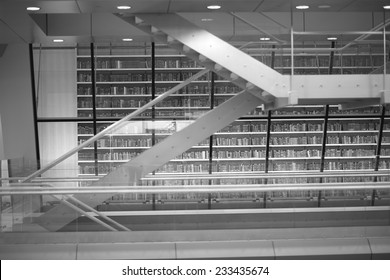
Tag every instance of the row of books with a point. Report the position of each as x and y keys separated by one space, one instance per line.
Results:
x=296 y=126
x=245 y=127
x=359 y=111
x=291 y=140
x=317 y=111
x=352 y=125
x=123 y=63
x=163 y=114
x=112 y=103
x=224 y=154
x=147 y=90
x=239 y=141
x=352 y=139
x=349 y=152
x=136 y=103
x=123 y=142
x=100 y=168
x=290 y=153
x=138 y=77
x=106 y=63
x=385 y=152
x=349 y=165
x=216 y=167
x=125 y=155
x=294 y=166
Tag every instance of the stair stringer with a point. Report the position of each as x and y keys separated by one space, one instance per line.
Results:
x=129 y=173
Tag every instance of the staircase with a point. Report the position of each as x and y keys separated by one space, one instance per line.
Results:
x=216 y=55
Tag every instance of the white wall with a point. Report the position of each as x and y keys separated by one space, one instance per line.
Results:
x=16 y=103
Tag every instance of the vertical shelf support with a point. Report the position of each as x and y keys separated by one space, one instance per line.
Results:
x=323 y=149
x=93 y=81
x=153 y=57
x=212 y=95
x=378 y=150
x=267 y=144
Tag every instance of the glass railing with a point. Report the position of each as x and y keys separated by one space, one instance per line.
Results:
x=170 y=206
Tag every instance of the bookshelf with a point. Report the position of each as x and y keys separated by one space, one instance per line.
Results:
x=290 y=139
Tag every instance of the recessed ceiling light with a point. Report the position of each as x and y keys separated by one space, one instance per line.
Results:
x=264 y=39
x=387 y=7
x=302 y=7
x=324 y=6
x=332 y=38
x=213 y=7
x=123 y=7
x=33 y=8
x=127 y=39
x=58 y=40
x=206 y=19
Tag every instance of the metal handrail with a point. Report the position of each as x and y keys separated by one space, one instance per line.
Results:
x=230 y=175
x=116 y=125
x=263 y=175
x=194 y=188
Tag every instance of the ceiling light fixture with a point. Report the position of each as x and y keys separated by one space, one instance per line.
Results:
x=206 y=19
x=265 y=39
x=387 y=7
x=332 y=38
x=33 y=9
x=302 y=7
x=213 y=7
x=123 y=7
x=58 y=40
x=127 y=39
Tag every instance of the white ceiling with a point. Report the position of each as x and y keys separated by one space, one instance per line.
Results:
x=93 y=20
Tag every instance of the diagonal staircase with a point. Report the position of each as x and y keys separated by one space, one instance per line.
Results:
x=261 y=86
x=216 y=55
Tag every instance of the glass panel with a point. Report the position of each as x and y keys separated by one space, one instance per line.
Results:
x=56 y=89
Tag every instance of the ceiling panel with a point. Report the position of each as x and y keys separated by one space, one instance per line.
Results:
x=366 y=5
x=201 y=6
x=7 y=36
x=16 y=24
x=56 y=6
x=137 y=6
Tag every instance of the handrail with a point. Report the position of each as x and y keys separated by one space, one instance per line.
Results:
x=116 y=125
x=230 y=175
x=262 y=175
x=194 y=188
x=258 y=28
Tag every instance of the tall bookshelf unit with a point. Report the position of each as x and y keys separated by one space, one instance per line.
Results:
x=296 y=138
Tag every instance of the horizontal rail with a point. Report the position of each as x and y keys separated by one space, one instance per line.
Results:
x=230 y=175
x=193 y=188
x=247 y=211
x=263 y=175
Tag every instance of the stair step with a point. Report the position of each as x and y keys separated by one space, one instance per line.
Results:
x=188 y=50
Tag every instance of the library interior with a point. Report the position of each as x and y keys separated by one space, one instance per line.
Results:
x=185 y=129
